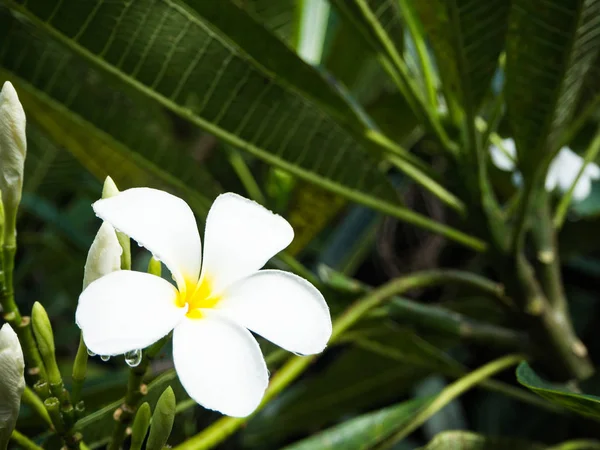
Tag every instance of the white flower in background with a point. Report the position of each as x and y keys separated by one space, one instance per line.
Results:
x=562 y=171
x=216 y=358
x=504 y=157
x=12 y=382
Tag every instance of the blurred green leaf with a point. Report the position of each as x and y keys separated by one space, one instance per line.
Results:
x=582 y=404
x=107 y=130
x=551 y=46
x=362 y=432
x=358 y=379
x=218 y=86
x=465 y=440
x=467 y=38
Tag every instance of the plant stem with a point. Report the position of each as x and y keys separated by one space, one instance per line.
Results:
x=29 y=397
x=11 y=313
x=244 y=174
x=544 y=237
x=226 y=426
x=135 y=392
x=24 y=442
x=450 y=393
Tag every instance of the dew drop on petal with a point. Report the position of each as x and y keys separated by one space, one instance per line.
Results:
x=105 y=358
x=91 y=353
x=133 y=358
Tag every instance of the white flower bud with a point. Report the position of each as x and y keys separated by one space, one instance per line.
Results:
x=12 y=382
x=104 y=256
x=13 y=148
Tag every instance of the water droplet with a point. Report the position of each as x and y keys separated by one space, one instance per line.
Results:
x=104 y=358
x=91 y=353
x=133 y=358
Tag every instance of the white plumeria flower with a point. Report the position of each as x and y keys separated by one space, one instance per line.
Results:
x=562 y=171
x=504 y=158
x=216 y=358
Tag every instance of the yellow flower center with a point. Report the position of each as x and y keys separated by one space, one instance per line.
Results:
x=198 y=296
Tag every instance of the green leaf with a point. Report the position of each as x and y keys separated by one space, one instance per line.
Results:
x=467 y=38
x=109 y=132
x=356 y=380
x=278 y=16
x=466 y=440
x=162 y=420
x=362 y=432
x=214 y=83
x=551 y=46
x=582 y=404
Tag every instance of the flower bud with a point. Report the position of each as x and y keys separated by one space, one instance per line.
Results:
x=12 y=382
x=110 y=189
x=162 y=420
x=13 y=147
x=45 y=342
x=104 y=256
x=140 y=426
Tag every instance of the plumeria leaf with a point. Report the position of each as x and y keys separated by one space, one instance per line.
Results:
x=582 y=404
x=467 y=38
x=466 y=440
x=364 y=431
x=547 y=60
x=290 y=131
x=130 y=141
x=356 y=380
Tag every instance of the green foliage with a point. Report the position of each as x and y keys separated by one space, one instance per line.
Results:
x=362 y=432
x=583 y=404
x=434 y=264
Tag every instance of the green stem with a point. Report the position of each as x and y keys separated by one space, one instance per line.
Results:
x=79 y=370
x=135 y=392
x=23 y=441
x=245 y=175
x=545 y=240
x=29 y=397
x=11 y=313
x=565 y=201
x=451 y=392
x=226 y=426
x=62 y=426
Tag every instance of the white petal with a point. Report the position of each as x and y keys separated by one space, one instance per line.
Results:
x=553 y=175
x=220 y=365
x=583 y=188
x=504 y=159
x=162 y=223
x=125 y=311
x=12 y=382
x=241 y=236
x=281 y=307
x=104 y=256
x=593 y=171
